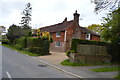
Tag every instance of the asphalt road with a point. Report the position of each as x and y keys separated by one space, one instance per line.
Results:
x=17 y=65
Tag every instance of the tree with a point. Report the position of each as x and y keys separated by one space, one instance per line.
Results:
x=111 y=31
x=14 y=32
x=25 y=22
x=95 y=28
x=104 y=4
x=2 y=29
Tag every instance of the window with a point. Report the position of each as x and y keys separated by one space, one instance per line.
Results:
x=88 y=36
x=57 y=34
x=57 y=44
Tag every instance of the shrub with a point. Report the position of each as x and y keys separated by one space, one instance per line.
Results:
x=20 y=43
x=114 y=50
x=5 y=41
x=38 y=45
x=68 y=52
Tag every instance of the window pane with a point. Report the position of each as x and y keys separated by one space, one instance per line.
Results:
x=57 y=44
x=57 y=34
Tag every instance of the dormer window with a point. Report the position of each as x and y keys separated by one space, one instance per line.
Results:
x=88 y=36
x=58 y=34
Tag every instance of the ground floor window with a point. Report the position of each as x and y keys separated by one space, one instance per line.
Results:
x=57 y=44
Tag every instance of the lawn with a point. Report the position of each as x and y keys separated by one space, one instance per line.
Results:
x=106 y=69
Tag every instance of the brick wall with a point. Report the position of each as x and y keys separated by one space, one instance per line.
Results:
x=61 y=38
x=95 y=38
x=57 y=49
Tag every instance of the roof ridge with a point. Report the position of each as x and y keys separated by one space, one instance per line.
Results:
x=54 y=24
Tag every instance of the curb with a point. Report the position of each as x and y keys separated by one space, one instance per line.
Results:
x=77 y=76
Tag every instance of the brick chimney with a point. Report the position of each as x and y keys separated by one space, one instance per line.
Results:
x=76 y=17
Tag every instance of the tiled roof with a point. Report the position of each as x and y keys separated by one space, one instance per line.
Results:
x=62 y=27
x=57 y=27
x=85 y=30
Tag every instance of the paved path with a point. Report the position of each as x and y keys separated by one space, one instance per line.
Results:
x=55 y=57
x=16 y=65
x=83 y=71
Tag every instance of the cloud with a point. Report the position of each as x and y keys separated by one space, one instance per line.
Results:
x=48 y=12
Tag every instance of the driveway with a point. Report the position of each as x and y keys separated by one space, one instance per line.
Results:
x=55 y=57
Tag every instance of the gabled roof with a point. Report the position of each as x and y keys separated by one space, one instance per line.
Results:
x=85 y=30
x=57 y=27
x=62 y=27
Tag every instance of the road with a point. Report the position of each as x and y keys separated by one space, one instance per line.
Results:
x=17 y=65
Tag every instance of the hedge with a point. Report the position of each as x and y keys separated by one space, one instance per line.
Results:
x=88 y=42
x=38 y=45
x=5 y=41
x=20 y=43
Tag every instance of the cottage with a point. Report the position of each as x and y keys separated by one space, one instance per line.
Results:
x=63 y=32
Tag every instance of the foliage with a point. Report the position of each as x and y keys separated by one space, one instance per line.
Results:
x=20 y=43
x=5 y=41
x=114 y=51
x=2 y=29
x=14 y=32
x=68 y=63
x=106 y=69
x=21 y=51
x=88 y=42
x=104 y=4
x=68 y=52
x=38 y=45
x=95 y=28
x=111 y=31
x=117 y=77
x=25 y=22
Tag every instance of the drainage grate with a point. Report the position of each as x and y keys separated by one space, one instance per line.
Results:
x=42 y=65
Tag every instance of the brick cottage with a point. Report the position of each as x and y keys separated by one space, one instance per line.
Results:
x=63 y=32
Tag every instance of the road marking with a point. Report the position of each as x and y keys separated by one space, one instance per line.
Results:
x=9 y=76
x=60 y=69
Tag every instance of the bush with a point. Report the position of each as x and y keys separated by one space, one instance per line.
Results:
x=68 y=52
x=20 y=43
x=38 y=45
x=5 y=41
x=88 y=42
x=114 y=50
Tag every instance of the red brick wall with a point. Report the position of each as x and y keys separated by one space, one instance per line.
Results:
x=83 y=36
x=57 y=49
x=55 y=39
x=61 y=38
x=95 y=38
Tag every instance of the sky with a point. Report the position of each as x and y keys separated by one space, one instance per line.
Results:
x=49 y=12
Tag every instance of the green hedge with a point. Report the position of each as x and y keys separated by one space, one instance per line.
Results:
x=38 y=45
x=20 y=43
x=5 y=41
x=88 y=42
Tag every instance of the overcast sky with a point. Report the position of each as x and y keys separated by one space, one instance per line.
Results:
x=49 y=12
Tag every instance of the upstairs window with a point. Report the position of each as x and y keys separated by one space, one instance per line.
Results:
x=58 y=34
x=88 y=36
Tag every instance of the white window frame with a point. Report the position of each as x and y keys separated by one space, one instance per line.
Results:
x=57 y=45
x=57 y=34
x=88 y=36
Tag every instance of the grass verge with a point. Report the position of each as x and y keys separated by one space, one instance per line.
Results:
x=106 y=69
x=21 y=51
x=117 y=77
x=68 y=63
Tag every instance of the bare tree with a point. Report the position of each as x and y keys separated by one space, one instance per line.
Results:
x=105 y=4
